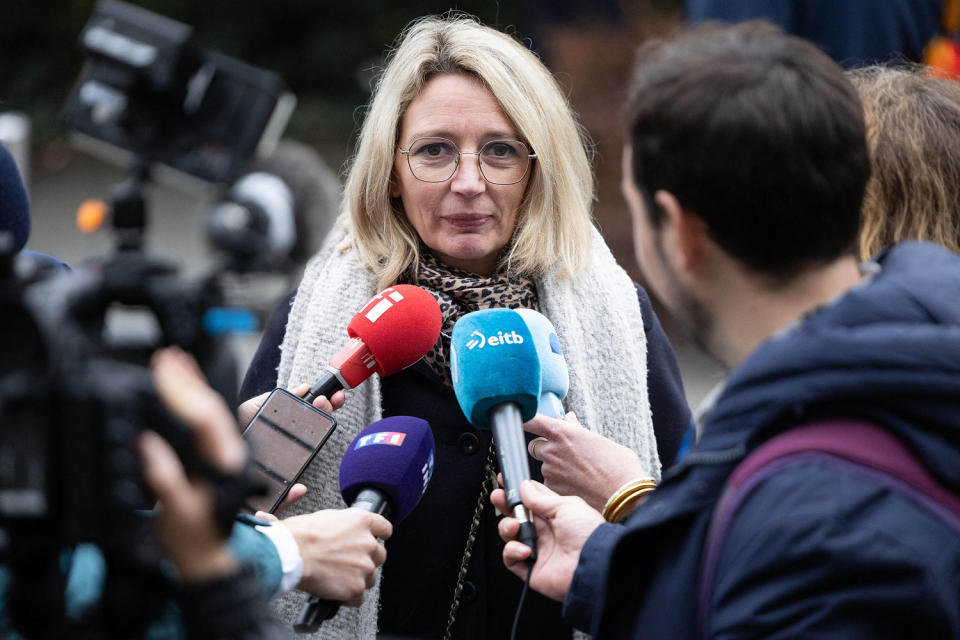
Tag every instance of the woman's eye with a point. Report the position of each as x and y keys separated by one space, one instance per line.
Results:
x=501 y=149
x=434 y=150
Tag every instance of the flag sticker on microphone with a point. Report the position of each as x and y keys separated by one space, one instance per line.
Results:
x=393 y=438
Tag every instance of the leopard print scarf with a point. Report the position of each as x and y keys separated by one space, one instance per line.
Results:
x=460 y=292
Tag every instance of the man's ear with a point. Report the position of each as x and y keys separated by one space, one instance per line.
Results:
x=687 y=232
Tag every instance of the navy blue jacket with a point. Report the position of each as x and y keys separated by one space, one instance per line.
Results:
x=420 y=574
x=852 y=32
x=817 y=551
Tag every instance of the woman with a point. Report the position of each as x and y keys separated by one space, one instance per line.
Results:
x=471 y=178
x=913 y=133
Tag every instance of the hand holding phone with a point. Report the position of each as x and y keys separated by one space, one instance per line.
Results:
x=285 y=434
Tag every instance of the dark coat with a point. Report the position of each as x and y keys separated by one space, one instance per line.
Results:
x=852 y=33
x=817 y=551
x=421 y=572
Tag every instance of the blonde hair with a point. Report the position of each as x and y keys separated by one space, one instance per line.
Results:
x=913 y=133
x=553 y=224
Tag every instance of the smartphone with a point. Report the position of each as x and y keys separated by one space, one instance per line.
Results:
x=284 y=436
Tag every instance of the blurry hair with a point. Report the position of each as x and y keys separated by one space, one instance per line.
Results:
x=913 y=133
x=553 y=224
x=758 y=133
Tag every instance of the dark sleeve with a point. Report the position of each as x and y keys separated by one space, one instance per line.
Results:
x=261 y=375
x=584 y=602
x=817 y=553
x=668 y=402
x=232 y=606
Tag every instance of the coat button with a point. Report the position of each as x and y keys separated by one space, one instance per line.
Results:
x=469 y=443
x=469 y=593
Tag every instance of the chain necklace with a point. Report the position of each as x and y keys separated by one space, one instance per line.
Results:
x=486 y=486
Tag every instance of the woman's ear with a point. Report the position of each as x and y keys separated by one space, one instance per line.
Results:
x=685 y=231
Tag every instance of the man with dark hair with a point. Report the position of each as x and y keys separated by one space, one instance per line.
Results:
x=764 y=124
x=821 y=499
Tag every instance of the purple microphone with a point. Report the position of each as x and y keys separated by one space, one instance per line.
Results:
x=385 y=470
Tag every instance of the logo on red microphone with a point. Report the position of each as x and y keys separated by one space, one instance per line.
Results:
x=381 y=303
x=393 y=438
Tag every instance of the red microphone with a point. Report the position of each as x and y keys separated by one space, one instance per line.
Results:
x=394 y=329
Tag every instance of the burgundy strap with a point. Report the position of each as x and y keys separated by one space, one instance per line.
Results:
x=855 y=441
x=859 y=442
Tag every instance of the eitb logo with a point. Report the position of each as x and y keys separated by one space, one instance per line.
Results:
x=478 y=340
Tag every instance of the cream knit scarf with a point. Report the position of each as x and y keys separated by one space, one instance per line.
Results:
x=598 y=321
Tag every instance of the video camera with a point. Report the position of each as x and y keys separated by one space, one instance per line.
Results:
x=74 y=392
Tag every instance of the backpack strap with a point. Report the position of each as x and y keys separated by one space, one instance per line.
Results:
x=855 y=441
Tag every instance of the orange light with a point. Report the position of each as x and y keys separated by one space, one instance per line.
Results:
x=90 y=215
x=943 y=56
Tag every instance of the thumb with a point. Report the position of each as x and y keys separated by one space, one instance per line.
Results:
x=263 y=515
x=162 y=470
x=540 y=499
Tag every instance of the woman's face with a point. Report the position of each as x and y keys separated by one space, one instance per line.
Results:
x=466 y=220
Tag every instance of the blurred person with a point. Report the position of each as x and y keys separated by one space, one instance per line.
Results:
x=744 y=170
x=221 y=585
x=913 y=133
x=340 y=547
x=852 y=32
x=471 y=179
x=219 y=597
x=328 y=553
x=15 y=217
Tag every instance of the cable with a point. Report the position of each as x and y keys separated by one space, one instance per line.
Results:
x=523 y=596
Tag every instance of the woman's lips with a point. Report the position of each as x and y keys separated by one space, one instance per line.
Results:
x=467 y=220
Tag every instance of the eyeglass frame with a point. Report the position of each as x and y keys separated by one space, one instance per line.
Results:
x=460 y=154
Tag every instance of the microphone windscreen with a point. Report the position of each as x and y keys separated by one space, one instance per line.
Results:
x=493 y=361
x=399 y=325
x=394 y=455
x=554 y=376
x=14 y=203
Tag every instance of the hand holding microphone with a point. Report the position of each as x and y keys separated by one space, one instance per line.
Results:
x=248 y=409
x=386 y=470
x=580 y=462
x=496 y=378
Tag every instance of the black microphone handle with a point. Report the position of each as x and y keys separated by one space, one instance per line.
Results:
x=317 y=609
x=328 y=384
x=506 y=422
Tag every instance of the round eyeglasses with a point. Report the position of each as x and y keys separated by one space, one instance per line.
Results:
x=436 y=160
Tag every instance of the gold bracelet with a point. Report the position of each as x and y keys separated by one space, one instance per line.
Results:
x=621 y=511
x=626 y=495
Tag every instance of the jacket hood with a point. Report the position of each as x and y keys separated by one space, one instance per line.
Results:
x=888 y=351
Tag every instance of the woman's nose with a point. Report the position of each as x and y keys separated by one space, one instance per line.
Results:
x=467 y=179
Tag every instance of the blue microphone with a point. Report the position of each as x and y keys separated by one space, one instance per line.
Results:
x=554 y=376
x=496 y=378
